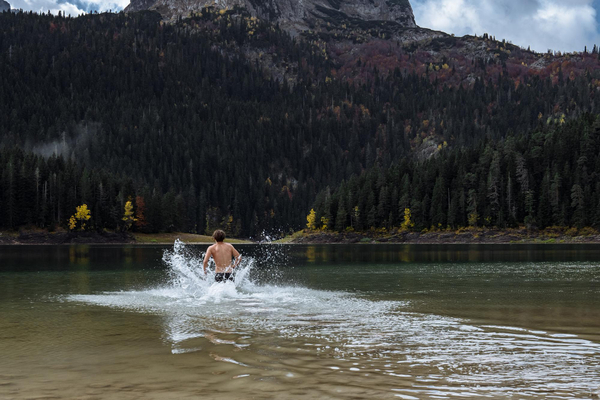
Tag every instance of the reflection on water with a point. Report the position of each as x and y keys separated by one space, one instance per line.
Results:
x=309 y=322
x=448 y=253
x=79 y=255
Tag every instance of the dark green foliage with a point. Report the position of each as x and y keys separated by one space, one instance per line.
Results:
x=42 y=192
x=517 y=184
x=193 y=127
x=199 y=120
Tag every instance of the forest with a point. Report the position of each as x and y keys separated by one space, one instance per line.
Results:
x=222 y=120
x=548 y=178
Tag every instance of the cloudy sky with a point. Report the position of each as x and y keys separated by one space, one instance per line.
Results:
x=73 y=7
x=565 y=25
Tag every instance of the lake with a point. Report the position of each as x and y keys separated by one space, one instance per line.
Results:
x=301 y=321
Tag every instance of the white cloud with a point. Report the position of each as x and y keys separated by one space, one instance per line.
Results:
x=73 y=8
x=45 y=6
x=541 y=24
x=105 y=5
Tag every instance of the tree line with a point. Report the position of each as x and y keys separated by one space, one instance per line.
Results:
x=223 y=120
x=546 y=178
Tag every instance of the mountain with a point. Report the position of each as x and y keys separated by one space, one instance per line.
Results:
x=358 y=36
x=225 y=119
x=296 y=16
x=4 y=6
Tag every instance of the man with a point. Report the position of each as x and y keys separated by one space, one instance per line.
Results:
x=222 y=253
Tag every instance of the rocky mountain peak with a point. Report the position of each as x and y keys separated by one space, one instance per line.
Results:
x=294 y=15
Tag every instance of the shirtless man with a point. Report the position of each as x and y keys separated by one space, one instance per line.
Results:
x=222 y=253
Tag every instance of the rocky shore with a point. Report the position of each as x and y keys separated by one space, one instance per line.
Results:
x=67 y=238
x=461 y=236
x=479 y=236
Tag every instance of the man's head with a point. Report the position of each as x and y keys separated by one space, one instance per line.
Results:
x=219 y=235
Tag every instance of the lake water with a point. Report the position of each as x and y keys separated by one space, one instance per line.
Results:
x=301 y=321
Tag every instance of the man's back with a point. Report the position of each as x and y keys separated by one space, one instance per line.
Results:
x=222 y=253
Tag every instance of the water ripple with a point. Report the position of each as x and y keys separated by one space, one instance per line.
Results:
x=439 y=356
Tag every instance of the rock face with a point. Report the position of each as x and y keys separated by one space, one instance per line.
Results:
x=294 y=15
x=4 y=6
x=139 y=5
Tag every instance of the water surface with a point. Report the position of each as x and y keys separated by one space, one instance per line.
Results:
x=338 y=321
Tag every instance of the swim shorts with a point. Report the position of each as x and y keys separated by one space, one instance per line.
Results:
x=223 y=277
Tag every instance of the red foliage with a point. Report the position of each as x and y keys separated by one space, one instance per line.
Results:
x=140 y=211
x=360 y=63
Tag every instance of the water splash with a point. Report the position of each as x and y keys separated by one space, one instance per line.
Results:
x=186 y=273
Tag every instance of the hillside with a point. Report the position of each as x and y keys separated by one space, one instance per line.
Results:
x=540 y=179
x=225 y=119
x=359 y=35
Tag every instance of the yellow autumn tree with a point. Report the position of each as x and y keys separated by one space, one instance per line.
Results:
x=407 y=224
x=472 y=218
x=82 y=214
x=324 y=223
x=128 y=217
x=311 y=219
x=72 y=222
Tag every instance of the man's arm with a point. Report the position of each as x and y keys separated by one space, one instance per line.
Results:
x=206 y=258
x=237 y=256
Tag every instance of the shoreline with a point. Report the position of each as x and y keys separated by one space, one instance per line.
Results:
x=39 y=237
x=462 y=236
